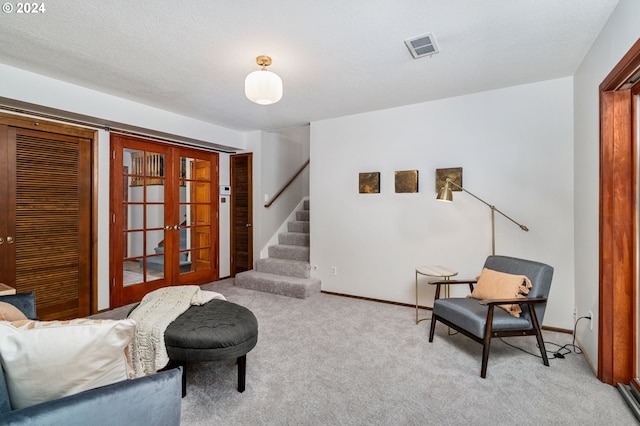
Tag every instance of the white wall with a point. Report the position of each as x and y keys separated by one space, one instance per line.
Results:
x=277 y=156
x=46 y=94
x=515 y=146
x=618 y=35
x=22 y=89
x=224 y=209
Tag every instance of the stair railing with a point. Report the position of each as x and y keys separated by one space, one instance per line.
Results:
x=267 y=205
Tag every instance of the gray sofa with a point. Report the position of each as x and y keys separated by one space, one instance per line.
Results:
x=151 y=400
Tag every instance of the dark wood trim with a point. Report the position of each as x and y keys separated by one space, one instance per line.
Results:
x=388 y=302
x=95 y=185
x=557 y=330
x=623 y=70
x=429 y=308
x=46 y=126
x=617 y=334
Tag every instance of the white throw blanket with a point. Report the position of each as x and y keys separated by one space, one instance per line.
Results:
x=153 y=315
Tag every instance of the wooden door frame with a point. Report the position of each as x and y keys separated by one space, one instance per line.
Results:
x=617 y=319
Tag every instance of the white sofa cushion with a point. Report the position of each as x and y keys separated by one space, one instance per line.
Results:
x=45 y=360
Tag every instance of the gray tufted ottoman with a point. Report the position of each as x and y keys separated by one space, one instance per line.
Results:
x=215 y=331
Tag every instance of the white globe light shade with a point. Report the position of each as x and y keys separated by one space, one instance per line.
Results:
x=263 y=87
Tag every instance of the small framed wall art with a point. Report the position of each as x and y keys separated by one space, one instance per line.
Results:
x=369 y=183
x=453 y=174
x=406 y=181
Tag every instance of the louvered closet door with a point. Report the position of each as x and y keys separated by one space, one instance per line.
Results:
x=48 y=219
x=242 y=213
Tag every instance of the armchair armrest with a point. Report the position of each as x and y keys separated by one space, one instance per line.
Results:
x=515 y=301
x=440 y=282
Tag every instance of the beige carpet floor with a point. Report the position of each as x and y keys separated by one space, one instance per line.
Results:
x=331 y=360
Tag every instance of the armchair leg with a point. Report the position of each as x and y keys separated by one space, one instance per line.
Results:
x=432 y=328
x=536 y=326
x=486 y=342
x=485 y=356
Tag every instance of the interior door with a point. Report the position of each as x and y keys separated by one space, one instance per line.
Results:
x=139 y=218
x=241 y=213
x=45 y=221
x=197 y=219
x=165 y=224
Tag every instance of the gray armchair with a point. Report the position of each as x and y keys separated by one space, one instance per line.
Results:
x=479 y=320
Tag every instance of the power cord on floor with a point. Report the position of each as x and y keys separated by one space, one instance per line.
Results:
x=562 y=351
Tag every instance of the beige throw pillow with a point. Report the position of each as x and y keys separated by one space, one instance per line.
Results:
x=8 y=312
x=500 y=285
x=51 y=359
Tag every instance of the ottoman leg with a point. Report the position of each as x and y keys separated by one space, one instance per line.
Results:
x=184 y=378
x=242 y=372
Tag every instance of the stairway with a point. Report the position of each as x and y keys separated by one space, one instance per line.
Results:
x=287 y=270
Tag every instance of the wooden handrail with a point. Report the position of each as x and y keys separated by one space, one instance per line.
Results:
x=287 y=184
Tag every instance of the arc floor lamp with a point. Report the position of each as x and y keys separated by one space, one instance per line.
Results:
x=446 y=194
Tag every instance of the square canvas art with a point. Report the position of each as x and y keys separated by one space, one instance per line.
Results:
x=454 y=174
x=369 y=183
x=406 y=181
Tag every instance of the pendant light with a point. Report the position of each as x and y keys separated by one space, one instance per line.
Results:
x=263 y=87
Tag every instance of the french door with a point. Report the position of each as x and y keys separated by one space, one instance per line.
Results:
x=164 y=217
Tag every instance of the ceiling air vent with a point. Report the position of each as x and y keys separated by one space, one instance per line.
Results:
x=423 y=45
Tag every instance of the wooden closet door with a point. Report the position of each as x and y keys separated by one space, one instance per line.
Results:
x=47 y=219
x=241 y=213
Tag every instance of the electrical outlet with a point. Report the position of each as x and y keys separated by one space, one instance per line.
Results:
x=334 y=270
x=575 y=312
x=590 y=320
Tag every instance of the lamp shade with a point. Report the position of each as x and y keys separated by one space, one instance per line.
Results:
x=445 y=193
x=263 y=87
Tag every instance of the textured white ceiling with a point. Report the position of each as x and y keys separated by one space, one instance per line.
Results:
x=336 y=57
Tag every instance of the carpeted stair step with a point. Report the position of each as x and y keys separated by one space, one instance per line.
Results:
x=281 y=251
x=298 y=226
x=289 y=268
x=294 y=239
x=278 y=284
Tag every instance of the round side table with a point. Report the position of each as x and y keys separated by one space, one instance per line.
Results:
x=437 y=271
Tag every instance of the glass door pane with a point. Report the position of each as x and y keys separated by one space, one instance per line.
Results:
x=143 y=212
x=195 y=215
